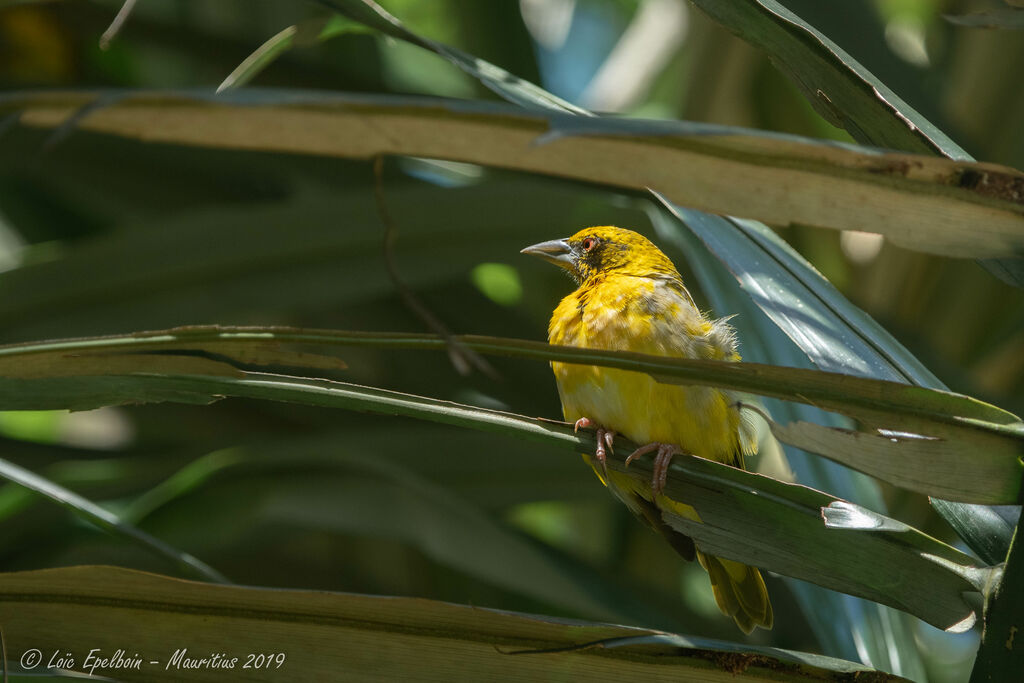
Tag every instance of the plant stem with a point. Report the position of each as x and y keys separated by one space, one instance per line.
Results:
x=1001 y=655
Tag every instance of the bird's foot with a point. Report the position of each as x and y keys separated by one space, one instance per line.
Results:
x=662 y=460
x=605 y=439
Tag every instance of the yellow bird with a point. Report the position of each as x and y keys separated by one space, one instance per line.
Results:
x=631 y=298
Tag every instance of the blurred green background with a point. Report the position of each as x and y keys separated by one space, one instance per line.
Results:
x=101 y=235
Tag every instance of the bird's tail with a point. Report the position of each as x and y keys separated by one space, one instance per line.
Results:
x=739 y=591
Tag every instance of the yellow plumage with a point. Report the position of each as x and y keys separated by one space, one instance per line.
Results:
x=631 y=298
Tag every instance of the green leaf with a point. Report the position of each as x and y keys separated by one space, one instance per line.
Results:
x=987 y=530
x=844 y=92
x=727 y=514
x=951 y=472
x=1003 y=18
x=320 y=634
x=233 y=263
x=45 y=674
x=510 y=87
x=857 y=396
x=841 y=90
x=309 y=32
x=788 y=534
x=839 y=621
x=107 y=521
x=342 y=491
x=973 y=439
x=777 y=178
x=833 y=333
x=839 y=337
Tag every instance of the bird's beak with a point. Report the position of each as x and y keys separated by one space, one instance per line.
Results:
x=556 y=251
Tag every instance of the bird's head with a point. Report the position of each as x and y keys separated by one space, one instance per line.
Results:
x=602 y=250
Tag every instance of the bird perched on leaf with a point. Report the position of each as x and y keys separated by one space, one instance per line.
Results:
x=631 y=298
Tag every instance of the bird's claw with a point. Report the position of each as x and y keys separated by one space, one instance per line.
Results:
x=605 y=441
x=582 y=423
x=662 y=461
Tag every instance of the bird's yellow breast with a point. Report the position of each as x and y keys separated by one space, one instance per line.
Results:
x=655 y=316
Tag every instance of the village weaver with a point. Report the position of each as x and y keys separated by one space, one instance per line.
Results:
x=631 y=298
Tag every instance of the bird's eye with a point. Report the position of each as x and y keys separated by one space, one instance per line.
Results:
x=589 y=243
